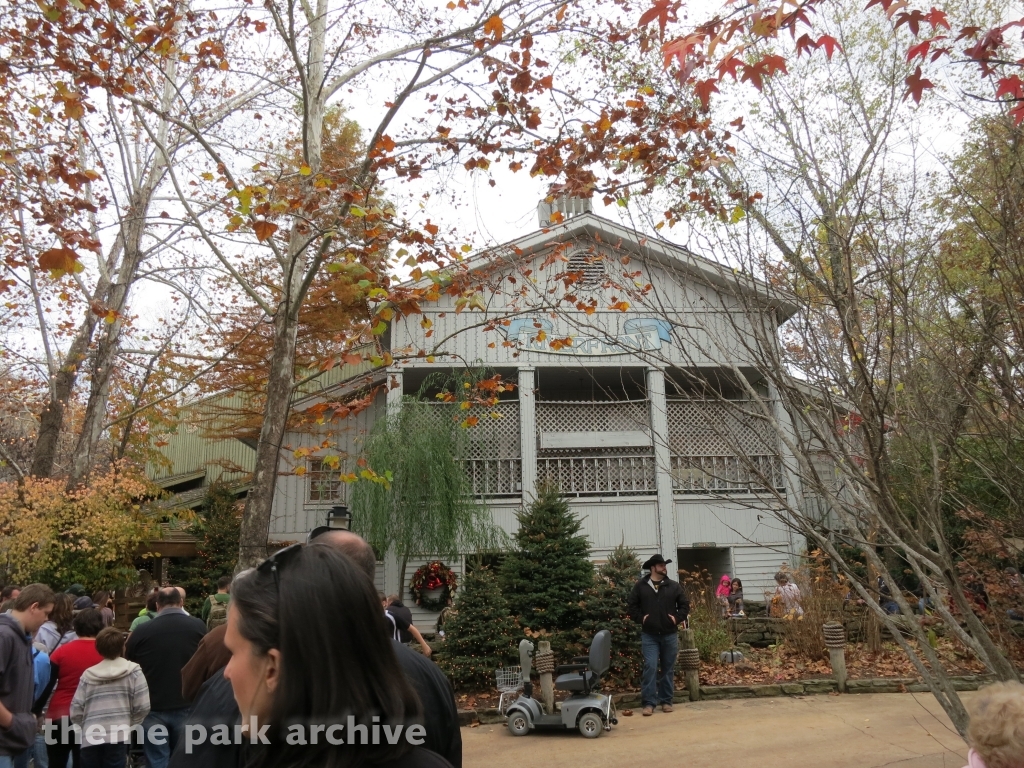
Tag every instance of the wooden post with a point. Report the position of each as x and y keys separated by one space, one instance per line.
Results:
x=838 y=658
x=835 y=641
x=686 y=641
x=547 y=683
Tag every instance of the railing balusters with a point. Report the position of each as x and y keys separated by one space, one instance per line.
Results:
x=726 y=474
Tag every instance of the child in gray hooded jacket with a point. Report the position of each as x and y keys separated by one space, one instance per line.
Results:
x=111 y=700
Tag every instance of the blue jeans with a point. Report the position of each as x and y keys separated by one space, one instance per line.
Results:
x=655 y=688
x=36 y=753
x=6 y=761
x=158 y=755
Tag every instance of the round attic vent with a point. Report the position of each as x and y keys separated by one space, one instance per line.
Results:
x=586 y=267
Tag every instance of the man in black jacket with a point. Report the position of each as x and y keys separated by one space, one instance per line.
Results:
x=659 y=606
x=162 y=647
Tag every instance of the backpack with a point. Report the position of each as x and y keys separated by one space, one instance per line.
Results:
x=218 y=613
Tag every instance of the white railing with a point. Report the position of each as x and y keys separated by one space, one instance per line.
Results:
x=726 y=474
x=599 y=475
x=495 y=477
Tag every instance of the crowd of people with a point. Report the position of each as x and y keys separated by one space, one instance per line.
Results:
x=284 y=664
x=297 y=662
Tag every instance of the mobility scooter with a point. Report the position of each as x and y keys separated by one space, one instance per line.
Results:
x=585 y=709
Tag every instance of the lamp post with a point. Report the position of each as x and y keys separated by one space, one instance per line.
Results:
x=339 y=518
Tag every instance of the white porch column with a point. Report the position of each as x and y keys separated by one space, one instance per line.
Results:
x=528 y=432
x=662 y=463
x=392 y=567
x=790 y=469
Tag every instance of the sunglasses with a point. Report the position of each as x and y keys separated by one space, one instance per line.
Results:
x=277 y=561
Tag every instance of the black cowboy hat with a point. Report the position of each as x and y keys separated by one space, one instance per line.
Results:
x=655 y=560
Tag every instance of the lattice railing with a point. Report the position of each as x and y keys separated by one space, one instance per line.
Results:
x=719 y=428
x=493 y=449
x=722 y=446
x=726 y=474
x=599 y=475
x=495 y=477
x=600 y=416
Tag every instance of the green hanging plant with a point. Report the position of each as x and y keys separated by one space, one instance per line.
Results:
x=426 y=506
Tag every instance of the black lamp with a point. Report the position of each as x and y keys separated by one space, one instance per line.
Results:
x=339 y=518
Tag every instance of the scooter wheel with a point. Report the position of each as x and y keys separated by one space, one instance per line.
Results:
x=591 y=725
x=615 y=721
x=518 y=725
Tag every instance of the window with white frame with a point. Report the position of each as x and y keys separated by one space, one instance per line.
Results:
x=324 y=483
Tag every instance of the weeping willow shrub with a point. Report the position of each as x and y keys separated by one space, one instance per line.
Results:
x=427 y=505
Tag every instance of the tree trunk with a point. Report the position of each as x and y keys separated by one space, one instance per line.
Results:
x=259 y=504
x=51 y=420
x=132 y=232
x=255 y=530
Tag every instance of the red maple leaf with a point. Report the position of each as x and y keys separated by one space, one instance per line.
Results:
x=937 y=18
x=921 y=49
x=1011 y=86
x=830 y=44
x=916 y=84
x=662 y=11
x=704 y=89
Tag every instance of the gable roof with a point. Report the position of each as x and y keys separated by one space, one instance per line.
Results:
x=661 y=252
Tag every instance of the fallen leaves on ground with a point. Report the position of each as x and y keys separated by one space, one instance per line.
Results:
x=779 y=664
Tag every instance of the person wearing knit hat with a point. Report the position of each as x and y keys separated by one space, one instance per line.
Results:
x=83 y=603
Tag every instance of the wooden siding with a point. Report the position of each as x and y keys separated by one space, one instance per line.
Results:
x=197 y=442
x=190 y=450
x=710 y=325
x=606 y=524
x=294 y=515
x=727 y=522
x=756 y=567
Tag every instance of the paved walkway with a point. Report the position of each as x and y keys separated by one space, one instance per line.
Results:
x=853 y=731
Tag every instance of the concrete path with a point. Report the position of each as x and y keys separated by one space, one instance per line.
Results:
x=853 y=731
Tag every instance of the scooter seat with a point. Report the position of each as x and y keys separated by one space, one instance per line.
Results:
x=574 y=681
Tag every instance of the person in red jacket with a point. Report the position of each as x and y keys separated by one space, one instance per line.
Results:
x=66 y=666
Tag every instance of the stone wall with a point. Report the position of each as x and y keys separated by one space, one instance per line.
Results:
x=761 y=631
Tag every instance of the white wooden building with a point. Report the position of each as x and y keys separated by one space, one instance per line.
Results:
x=651 y=418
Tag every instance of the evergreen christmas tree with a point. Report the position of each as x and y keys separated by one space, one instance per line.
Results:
x=480 y=634
x=605 y=608
x=545 y=578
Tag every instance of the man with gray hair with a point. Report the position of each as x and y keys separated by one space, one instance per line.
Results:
x=162 y=647
x=440 y=715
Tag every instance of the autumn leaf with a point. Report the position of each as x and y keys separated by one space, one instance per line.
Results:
x=661 y=11
x=264 y=230
x=305 y=170
x=60 y=261
x=916 y=85
x=830 y=44
x=494 y=27
x=704 y=89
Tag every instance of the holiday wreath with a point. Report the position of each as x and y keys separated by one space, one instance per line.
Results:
x=434 y=575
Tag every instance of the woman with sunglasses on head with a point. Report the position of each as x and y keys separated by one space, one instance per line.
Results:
x=304 y=630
